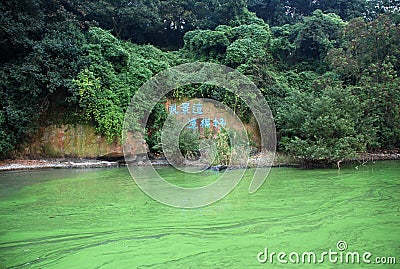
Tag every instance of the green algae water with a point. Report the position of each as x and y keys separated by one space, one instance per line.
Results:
x=99 y=218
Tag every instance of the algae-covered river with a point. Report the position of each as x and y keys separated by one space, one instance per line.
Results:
x=99 y=218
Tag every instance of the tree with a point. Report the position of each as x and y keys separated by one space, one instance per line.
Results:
x=365 y=43
x=115 y=72
x=369 y=59
x=206 y=43
x=231 y=45
x=159 y=22
x=42 y=47
x=323 y=127
x=307 y=43
x=278 y=13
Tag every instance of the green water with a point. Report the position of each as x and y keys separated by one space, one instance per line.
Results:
x=98 y=218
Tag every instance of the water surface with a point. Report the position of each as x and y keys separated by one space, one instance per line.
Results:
x=98 y=218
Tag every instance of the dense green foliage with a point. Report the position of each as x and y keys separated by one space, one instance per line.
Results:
x=277 y=12
x=41 y=54
x=116 y=70
x=329 y=69
x=323 y=126
x=160 y=22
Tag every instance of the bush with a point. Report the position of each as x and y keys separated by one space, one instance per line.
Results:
x=323 y=127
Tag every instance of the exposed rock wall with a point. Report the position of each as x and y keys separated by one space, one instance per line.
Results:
x=79 y=141
x=82 y=141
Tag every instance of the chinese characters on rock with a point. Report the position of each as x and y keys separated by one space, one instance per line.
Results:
x=196 y=121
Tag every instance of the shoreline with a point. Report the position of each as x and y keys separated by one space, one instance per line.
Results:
x=51 y=163
x=280 y=160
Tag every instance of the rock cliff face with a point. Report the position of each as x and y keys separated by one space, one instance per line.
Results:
x=79 y=141
x=82 y=141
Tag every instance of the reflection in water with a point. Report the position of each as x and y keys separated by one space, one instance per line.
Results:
x=99 y=217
